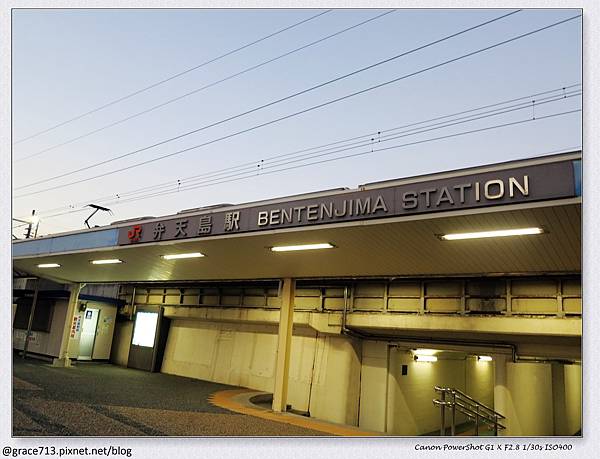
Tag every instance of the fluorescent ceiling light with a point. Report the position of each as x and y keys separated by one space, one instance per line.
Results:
x=498 y=233
x=48 y=265
x=176 y=256
x=291 y=248
x=484 y=358
x=110 y=261
x=425 y=358
x=425 y=351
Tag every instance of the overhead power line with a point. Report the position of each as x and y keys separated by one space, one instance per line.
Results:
x=311 y=108
x=172 y=77
x=321 y=161
x=195 y=91
x=369 y=144
x=277 y=101
x=219 y=177
x=540 y=98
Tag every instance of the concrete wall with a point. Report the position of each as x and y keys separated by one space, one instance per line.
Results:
x=324 y=370
x=480 y=380
x=119 y=353
x=45 y=343
x=336 y=386
x=529 y=408
x=374 y=386
x=402 y=404
x=302 y=360
x=573 y=398
x=236 y=354
x=342 y=380
x=410 y=409
x=566 y=394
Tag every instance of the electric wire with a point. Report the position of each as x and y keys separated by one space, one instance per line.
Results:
x=254 y=173
x=288 y=97
x=348 y=156
x=195 y=91
x=265 y=164
x=279 y=168
x=307 y=109
x=172 y=77
x=253 y=165
x=257 y=163
x=553 y=115
x=455 y=121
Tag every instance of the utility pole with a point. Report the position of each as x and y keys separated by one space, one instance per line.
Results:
x=33 y=221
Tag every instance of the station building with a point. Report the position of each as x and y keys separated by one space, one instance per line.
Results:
x=348 y=305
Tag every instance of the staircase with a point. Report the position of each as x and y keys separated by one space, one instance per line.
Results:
x=453 y=400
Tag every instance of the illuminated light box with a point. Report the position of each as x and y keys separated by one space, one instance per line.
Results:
x=145 y=329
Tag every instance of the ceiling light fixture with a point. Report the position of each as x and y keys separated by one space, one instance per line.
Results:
x=425 y=358
x=110 y=261
x=292 y=248
x=176 y=256
x=425 y=351
x=48 y=265
x=484 y=358
x=486 y=234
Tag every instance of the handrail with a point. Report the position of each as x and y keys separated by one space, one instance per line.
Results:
x=469 y=413
x=450 y=389
x=468 y=406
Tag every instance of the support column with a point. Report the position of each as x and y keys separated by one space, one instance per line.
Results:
x=501 y=394
x=530 y=389
x=284 y=345
x=558 y=399
x=573 y=398
x=31 y=314
x=63 y=356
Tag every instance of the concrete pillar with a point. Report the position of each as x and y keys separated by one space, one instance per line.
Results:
x=529 y=409
x=558 y=396
x=63 y=357
x=284 y=345
x=31 y=314
x=374 y=386
x=501 y=393
x=573 y=398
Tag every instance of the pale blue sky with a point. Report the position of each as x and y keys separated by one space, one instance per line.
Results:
x=66 y=62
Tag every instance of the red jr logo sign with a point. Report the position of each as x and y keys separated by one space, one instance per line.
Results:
x=135 y=233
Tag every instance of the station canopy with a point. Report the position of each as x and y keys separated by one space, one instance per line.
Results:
x=394 y=228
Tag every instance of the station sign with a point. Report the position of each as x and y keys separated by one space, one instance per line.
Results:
x=525 y=184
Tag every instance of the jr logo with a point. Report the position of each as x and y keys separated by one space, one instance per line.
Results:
x=135 y=233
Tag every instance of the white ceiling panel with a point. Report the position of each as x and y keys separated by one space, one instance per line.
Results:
x=401 y=248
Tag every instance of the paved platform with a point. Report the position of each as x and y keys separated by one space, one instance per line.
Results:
x=99 y=399
x=241 y=401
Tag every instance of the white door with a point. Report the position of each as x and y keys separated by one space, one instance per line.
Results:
x=88 y=334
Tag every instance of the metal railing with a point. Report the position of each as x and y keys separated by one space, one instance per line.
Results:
x=455 y=400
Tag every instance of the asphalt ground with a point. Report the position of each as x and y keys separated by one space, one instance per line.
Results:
x=100 y=399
